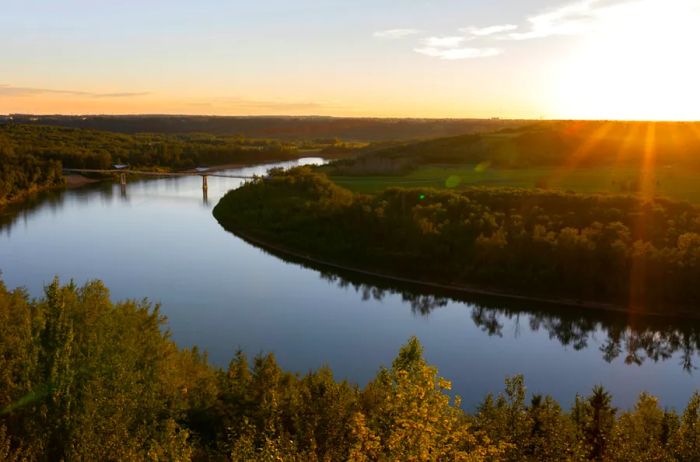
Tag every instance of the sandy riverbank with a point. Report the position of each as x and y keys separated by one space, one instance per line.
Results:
x=75 y=180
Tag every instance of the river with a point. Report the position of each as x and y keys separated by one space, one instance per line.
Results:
x=158 y=239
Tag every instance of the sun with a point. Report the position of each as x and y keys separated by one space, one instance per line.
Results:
x=638 y=61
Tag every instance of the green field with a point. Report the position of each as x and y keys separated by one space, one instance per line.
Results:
x=672 y=182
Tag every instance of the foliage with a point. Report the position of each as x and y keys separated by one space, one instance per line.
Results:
x=32 y=157
x=85 y=379
x=76 y=148
x=620 y=249
x=564 y=144
x=82 y=378
x=20 y=174
x=318 y=129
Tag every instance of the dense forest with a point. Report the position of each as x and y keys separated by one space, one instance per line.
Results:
x=553 y=143
x=96 y=149
x=83 y=378
x=277 y=127
x=32 y=157
x=641 y=254
x=24 y=173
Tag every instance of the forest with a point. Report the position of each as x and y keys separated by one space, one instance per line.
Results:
x=84 y=378
x=626 y=251
x=23 y=174
x=32 y=157
x=567 y=144
x=79 y=148
x=276 y=127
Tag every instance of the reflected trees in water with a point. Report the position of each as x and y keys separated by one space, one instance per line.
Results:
x=635 y=339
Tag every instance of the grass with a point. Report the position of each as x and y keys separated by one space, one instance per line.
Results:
x=672 y=182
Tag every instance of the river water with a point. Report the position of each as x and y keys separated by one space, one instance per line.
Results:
x=158 y=239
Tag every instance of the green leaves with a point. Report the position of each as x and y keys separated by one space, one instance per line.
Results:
x=82 y=378
x=593 y=248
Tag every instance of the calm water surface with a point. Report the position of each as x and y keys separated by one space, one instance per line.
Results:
x=158 y=239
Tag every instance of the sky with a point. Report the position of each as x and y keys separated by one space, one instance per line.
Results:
x=602 y=59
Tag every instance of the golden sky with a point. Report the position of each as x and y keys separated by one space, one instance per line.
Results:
x=607 y=59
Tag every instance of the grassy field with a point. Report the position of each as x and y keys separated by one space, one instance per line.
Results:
x=672 y=182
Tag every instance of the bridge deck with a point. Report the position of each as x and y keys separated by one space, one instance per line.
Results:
x=163 y=174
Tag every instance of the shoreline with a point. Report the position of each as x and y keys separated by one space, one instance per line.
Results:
x=465 y=289
x=24 y=195
x=218 y=168
x=76 y=180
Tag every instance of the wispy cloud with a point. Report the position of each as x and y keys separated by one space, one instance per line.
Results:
x=489 y=30
x=570 y=19
x=394 y=34
x=458 y=53
x=451 y=48
x=444 y=42
x=124 y=94
x=272 y=106
x=10 y=90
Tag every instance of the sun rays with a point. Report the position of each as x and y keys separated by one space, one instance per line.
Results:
x=580 y=154
x=636 y=63
x=637 y=158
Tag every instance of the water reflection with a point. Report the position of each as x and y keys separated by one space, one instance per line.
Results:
x=634 y=338
x=11 y=214
x=54 y=201
x=221 y=293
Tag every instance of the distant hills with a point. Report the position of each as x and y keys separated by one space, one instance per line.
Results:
x=550 y=143
x=360 y=129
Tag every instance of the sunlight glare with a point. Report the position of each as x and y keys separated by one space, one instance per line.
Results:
x=638 y=62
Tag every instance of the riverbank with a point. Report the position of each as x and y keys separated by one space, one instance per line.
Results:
x=266 y=244
x=76 y=181
x=543 y=247
x=237 y=165
x=219 y=292
x=26 y=194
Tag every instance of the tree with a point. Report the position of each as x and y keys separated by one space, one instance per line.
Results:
x=595 y=419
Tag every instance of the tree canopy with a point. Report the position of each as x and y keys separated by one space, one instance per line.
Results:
x=635 y=253
x=83 y=378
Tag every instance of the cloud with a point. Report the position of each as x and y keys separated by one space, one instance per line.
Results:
x=272 y=105
x=394 y=34
x=443 y=42
x=267 y=105
x=490 y=30
x=10 y=90
x=120 y=94
x=458 y=53
x=570 y=19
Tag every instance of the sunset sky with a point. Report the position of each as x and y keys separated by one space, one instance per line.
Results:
x=629 y=59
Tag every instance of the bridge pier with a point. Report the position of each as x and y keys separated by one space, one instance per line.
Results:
x=122 y=179
x=205 y=186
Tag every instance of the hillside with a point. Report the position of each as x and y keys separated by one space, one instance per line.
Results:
x=615 y=157
x=362 y=129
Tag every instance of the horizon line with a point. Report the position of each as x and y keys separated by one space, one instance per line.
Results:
x=312 y=116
